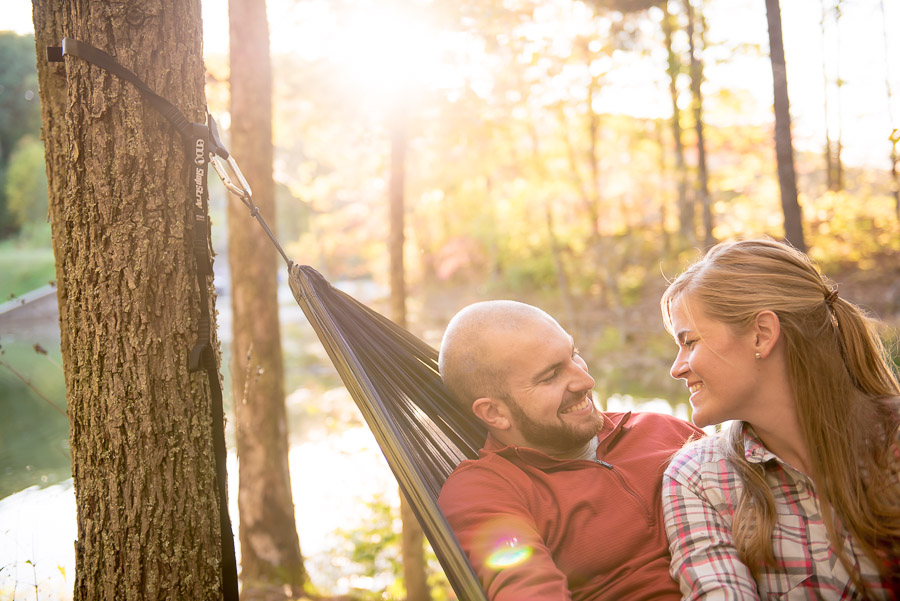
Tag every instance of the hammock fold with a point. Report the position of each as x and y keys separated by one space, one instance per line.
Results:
x=393 y=378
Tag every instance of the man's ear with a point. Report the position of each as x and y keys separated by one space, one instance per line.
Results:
x=767 y=329
x=492 y=412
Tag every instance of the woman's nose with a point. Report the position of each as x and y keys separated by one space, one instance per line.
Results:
x=679 y=367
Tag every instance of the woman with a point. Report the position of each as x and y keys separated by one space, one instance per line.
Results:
x=799 y=497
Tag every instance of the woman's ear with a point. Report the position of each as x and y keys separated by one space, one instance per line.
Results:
x=492 y=412
x=767 y=329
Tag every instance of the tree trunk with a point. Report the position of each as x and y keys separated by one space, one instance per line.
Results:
x=412 y=539
x=141 y=428
x=784 y=149
x=593 y=133
x=562 y=278
x=271 y=564
x=537 y=166
x=686 y=216
x=662 y=181
x=839 y=142
x=895 y=133
x=702 y=175
x=829 y=163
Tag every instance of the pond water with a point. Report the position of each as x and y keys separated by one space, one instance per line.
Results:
x=38 y=527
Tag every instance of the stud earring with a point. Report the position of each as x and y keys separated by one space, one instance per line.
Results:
x=758 y=356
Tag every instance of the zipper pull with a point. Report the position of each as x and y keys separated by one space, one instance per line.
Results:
x=604 y=464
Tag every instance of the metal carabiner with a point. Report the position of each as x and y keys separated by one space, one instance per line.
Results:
x=243 y=189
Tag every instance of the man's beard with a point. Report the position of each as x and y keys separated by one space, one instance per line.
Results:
x=558 y=437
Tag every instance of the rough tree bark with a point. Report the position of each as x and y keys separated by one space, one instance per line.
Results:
x=784 y=148
x=120 y=211
x=270 y=548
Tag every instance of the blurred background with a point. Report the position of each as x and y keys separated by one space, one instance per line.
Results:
x=569 y=154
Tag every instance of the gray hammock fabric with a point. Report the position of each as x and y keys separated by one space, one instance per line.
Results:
x=393 y=378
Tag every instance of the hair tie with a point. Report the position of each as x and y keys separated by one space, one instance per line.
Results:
x=832 y=296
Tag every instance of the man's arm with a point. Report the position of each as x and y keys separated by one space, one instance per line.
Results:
x=499 y=536
x=704 y=560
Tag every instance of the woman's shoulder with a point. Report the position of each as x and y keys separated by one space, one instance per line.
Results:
x=701 y=450
x=701 y=459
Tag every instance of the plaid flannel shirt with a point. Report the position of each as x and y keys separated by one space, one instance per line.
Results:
x=700 y=494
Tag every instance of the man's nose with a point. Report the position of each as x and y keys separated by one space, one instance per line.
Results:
x=582 y=380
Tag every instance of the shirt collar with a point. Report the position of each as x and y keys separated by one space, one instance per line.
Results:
x=754 y=450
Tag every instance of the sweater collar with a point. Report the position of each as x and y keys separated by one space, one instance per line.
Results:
x=614 y=425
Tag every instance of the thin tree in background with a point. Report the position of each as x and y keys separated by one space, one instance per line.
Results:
x=784 y=148
x=271 y=564
x=141 y=427
x=697 y=105
x=412 y=538
x=836 y=161
x=833 y=145
x=829 y=162
x=895 y=134
x=686 y=214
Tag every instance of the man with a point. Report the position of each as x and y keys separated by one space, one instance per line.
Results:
x=563 y=501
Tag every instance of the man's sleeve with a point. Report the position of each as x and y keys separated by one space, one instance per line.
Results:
x=705 y=562
x=500 y=538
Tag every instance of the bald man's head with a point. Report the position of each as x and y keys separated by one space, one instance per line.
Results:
x=470 y=359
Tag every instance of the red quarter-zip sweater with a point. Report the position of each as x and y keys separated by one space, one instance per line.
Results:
x=537 y=528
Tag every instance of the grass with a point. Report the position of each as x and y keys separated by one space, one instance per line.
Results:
x=26 y=262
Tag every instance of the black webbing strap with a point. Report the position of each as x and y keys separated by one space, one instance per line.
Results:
x=201 y=141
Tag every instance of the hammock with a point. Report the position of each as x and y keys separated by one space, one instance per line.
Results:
x=393 y=378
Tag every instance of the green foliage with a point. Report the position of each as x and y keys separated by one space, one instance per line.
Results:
x=19 y=105
x=373 y=550
x=26 y=182
x=26 y=262
x=890 y=337
x=854 y=227
x=20 y=112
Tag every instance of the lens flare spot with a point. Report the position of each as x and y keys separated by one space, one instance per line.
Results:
x=509 y=553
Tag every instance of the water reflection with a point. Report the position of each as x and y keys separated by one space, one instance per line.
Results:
x=38 y=526
x=34 y=448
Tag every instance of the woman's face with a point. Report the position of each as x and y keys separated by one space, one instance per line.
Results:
x=717 y=364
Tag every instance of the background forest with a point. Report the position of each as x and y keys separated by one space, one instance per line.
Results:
x=570 y=154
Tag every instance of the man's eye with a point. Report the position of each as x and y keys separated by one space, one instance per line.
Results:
x=550 y=378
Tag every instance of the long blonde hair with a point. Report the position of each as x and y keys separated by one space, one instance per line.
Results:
x=844 y=388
